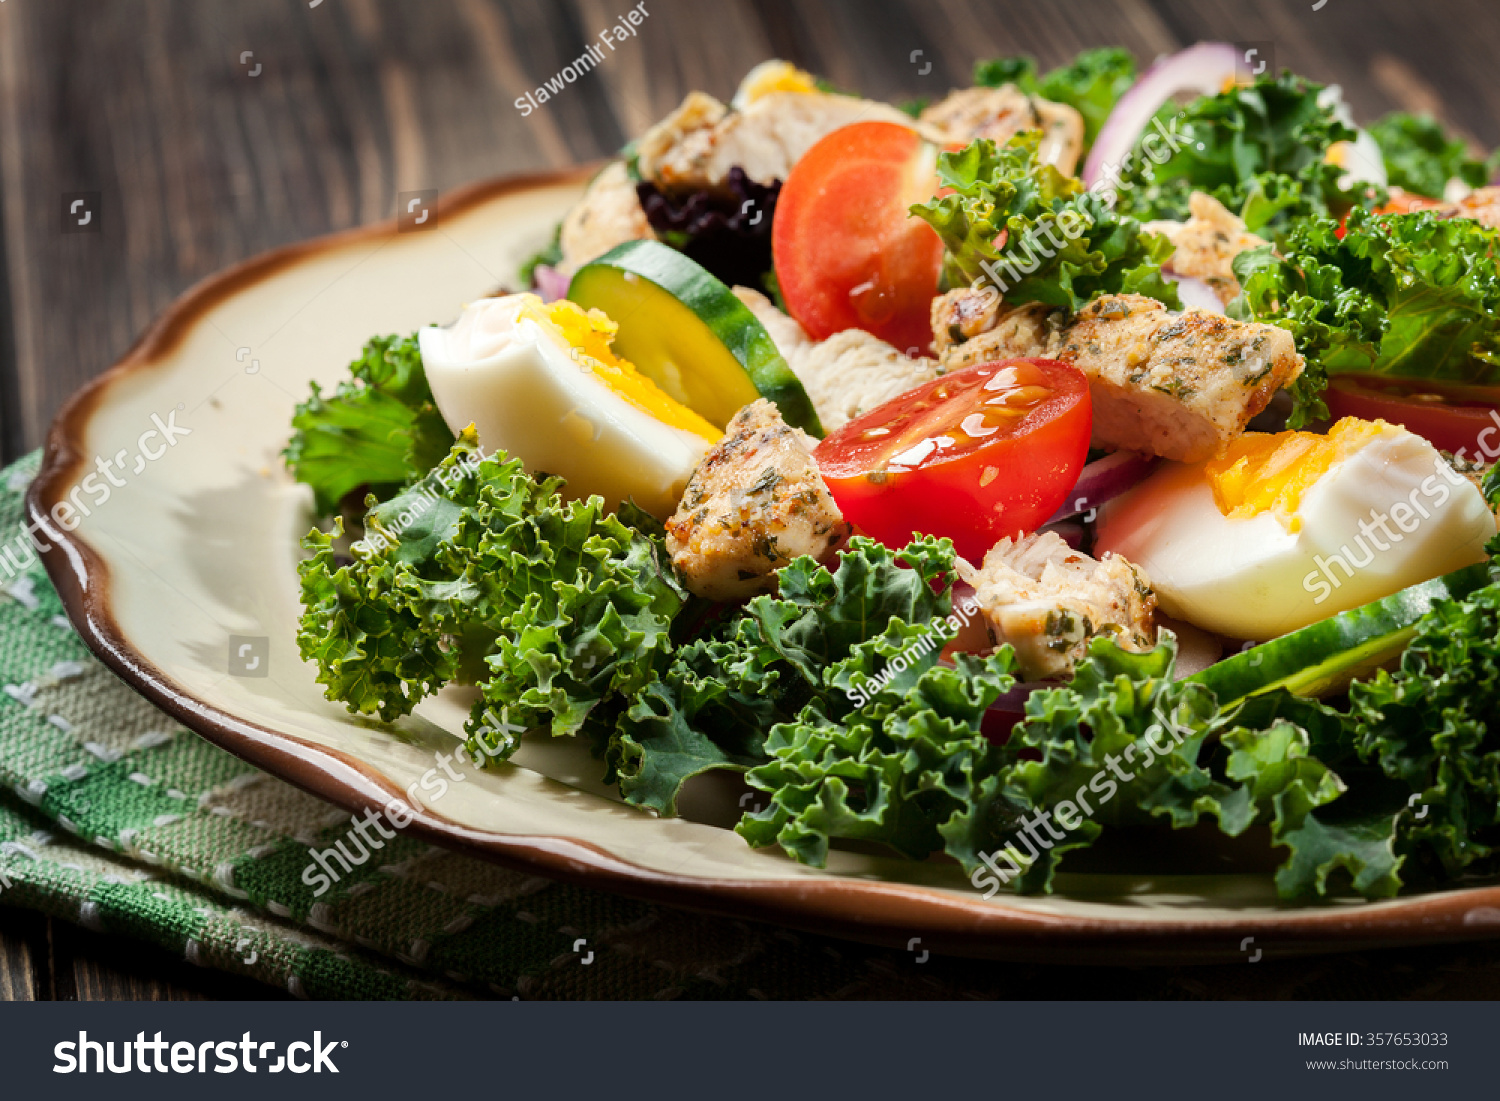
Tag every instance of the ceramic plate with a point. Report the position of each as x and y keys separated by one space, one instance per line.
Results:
x=183 y=580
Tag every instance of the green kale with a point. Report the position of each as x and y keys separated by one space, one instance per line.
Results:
x=1430 y=728
x=1410 y=296
x=724 y=691
x=1126 y=742
x=560 y=610
x=1268 y=137
x=1034 y=235
x=379 y=430
x=1420 y=156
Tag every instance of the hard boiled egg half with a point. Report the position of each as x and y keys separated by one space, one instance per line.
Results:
x=540 y=382
x=1288 y=529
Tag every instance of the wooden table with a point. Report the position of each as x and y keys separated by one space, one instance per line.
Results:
x=212 y=130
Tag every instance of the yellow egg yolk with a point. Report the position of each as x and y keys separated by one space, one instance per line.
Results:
x=1264 y=472
x=588 y=333
x=783 y=77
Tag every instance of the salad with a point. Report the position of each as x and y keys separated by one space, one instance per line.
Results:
x=1089 y=450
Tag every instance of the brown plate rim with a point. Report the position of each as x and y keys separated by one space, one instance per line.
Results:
x=859 y=909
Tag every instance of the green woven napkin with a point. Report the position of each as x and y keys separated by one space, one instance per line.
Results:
x=113 y=816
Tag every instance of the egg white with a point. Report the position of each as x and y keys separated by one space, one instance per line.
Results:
x=1249 y=578
x=521 y=387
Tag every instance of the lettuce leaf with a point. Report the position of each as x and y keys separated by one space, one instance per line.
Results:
x=379 y=430
x=1035 y=235
x=1092 y=83
x=1410 y=295
x=1421 y=157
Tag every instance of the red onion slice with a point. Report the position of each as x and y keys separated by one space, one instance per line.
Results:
x=1195 y=293
x=550 y=283
x=1104 y=479
x=1202 y=69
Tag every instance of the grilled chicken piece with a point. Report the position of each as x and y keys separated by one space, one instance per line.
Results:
x=846 y=375
x=1207 y=243
x=1179 y=385
x=697 y=144
x=755 y=503
x=1048 y=601
x=1001 y=113
x=609 y=214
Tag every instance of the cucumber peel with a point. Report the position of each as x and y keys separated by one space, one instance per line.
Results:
x=687 y=332
x=1324 y=657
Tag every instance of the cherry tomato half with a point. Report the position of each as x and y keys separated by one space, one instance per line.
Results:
x=848 y=252
x=1450 y=416
x=982 y=453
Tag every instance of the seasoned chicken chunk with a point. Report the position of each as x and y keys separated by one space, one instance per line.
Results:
x=697 y=144
x=1204 y=247
x=1001 y=113
x=1048 y=601
x=1179 y=385
x=846 y=375
x=609 y=214
x=755 y=503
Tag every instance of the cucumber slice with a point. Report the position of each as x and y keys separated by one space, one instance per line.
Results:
x=1324 y=657
x=689 y=334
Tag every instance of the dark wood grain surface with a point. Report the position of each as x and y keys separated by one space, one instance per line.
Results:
x=214 y=129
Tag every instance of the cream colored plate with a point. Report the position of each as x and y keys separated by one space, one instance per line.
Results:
x=200 y=544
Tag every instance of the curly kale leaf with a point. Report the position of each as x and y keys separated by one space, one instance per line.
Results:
x=1421 y=157
x=1125 y=742
x=1034 y=235
x=1430 y=728
x=1410 y=296
x=722 y=692
x=558 y=611
x=1236 y=142
x=380 y=430
x=897 y=770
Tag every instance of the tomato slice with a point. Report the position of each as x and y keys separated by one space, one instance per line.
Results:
x=1451 y=416
x=982 y=453
x=848 y=252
